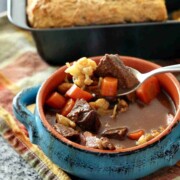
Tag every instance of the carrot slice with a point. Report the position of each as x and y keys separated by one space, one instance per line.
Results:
x=56 y=100
x=109 y=86
x=135 y=135
x=148 y=90
x=77 y=93
x=68 y=106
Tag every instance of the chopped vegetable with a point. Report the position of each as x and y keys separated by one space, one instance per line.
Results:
x=109 y=86
x=68 y=106
x=62 y=88
x=122 y=105
x=56 y=100
x=148 y=90
x=100 y=103
x=77 y=93
x=65 y=121
x=114 y=111
x=135 y=135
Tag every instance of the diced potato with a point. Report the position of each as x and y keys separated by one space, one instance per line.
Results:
x=144 y=138
x=62 y=88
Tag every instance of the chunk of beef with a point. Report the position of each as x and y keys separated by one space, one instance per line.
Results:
x=81 y=106
x=106 y=144
x=67 y=132
x=92 y=141
x=111 y=65
x=117 y=133
x=84 y=116
x=89 y=121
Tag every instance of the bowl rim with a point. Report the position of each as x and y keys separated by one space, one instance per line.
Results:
x=64 y=140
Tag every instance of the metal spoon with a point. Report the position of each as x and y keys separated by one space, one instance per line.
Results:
x=144 y=76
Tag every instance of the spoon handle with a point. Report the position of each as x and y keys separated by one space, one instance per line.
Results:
x=172 y=68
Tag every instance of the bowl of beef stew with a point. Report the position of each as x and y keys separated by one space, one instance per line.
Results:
x=84 y=127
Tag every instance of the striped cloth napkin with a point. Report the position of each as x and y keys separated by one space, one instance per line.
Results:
x=21 y=67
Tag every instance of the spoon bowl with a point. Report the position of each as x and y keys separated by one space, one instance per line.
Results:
x=144 y=76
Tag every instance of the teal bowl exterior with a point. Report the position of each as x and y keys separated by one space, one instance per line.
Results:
x=87 y=163
x=94 y=165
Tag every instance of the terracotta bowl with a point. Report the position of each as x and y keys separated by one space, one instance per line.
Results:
x=84 y=162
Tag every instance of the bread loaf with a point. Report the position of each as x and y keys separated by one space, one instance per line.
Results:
x=66 y=13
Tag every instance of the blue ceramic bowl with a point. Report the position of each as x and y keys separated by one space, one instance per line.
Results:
x=81 y=161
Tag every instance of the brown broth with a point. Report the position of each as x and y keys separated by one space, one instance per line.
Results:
x=146 y=117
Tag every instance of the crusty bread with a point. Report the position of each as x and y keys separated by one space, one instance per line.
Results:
x=176 y=15
x=65 y=13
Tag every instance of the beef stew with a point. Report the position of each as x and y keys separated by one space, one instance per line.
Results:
x=106 y=122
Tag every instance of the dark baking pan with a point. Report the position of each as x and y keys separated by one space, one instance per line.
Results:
x=152 y=40
x=172 y=5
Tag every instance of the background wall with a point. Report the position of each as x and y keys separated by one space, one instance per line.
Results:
x=3 y=4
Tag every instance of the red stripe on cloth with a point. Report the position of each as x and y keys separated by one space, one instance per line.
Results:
x=6 y=97
x=14 y=142
x=4 y=82
x=26 y=65
x=32 y=158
